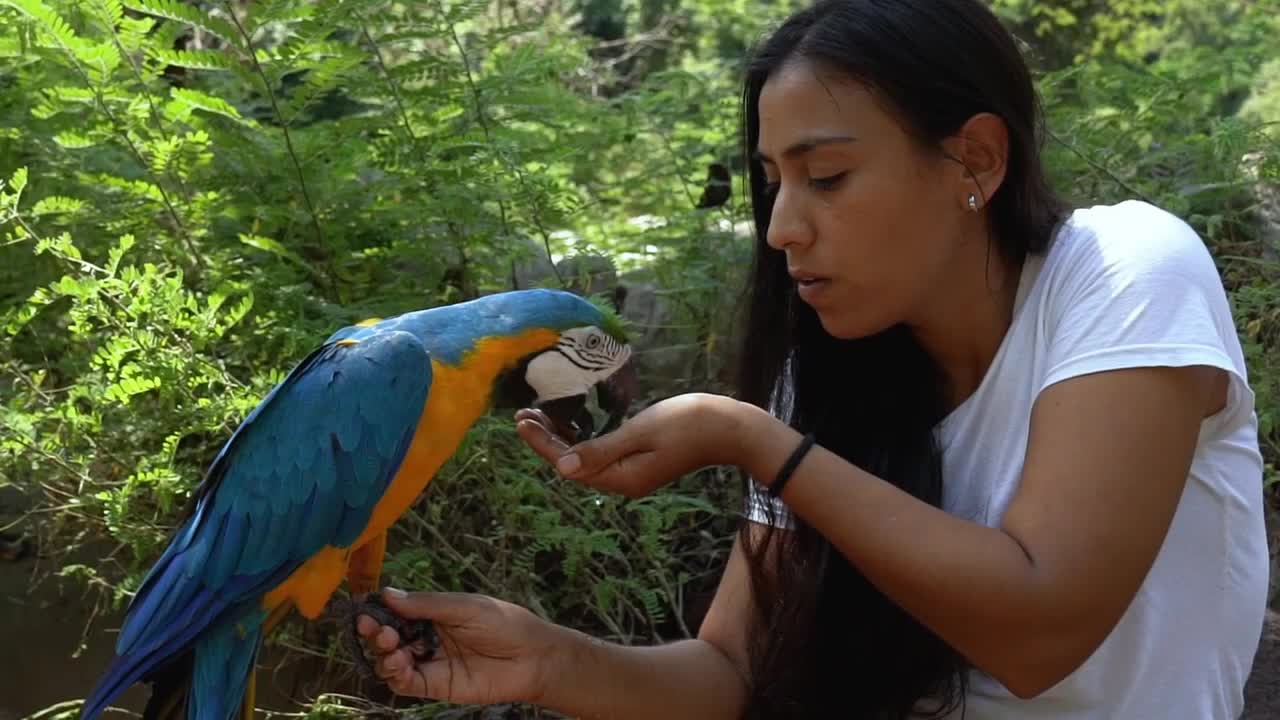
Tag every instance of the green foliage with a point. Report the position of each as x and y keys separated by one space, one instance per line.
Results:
x=194 y=193
x=1175 y=113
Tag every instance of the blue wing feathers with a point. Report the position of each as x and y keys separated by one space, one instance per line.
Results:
x=264 y=526
x=364 y=467
x=322 y=521
x=202 y=546
x=299 y=476
x=388 y=444
x=252 y=559
x=160 y=590
x=276 y=534
x=351 y=522
x=227 y=551
x=349 y=427
x=323 y=474
x=184 y=538
x=302 y=471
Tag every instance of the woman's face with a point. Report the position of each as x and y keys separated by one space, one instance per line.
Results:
x=869 y=221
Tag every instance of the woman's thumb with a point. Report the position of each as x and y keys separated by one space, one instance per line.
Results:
x=448 y=608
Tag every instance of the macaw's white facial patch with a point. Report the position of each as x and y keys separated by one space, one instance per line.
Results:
x=584 y=357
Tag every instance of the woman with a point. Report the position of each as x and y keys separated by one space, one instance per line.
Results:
x=1009 y=467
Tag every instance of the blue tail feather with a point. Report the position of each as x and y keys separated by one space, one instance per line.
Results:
x=136 y=664
x=225 y=656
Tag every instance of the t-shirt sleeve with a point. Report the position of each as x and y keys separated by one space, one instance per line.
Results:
x=1138 y=288
x=760 y=507
x=766 y=510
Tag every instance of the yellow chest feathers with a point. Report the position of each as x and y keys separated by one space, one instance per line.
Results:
x=459 y=395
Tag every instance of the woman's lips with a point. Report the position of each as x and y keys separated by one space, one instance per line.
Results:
x=812 y=289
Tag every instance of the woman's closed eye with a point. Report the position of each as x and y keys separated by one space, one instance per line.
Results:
x=827 y=183
x=824 y=184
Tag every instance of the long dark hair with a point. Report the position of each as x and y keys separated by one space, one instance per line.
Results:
x=826 y=642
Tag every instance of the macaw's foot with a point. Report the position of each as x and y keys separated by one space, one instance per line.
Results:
x=417 y=635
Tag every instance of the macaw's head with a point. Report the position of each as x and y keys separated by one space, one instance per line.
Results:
x=590 y=351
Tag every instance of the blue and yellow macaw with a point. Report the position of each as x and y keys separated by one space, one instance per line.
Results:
x=302 y=494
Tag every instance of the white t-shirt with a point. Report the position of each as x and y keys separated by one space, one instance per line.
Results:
x=1122 y=286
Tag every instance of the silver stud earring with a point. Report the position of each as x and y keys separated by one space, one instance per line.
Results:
x=973 y=203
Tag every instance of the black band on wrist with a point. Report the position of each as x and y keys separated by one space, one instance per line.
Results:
x=789 y=467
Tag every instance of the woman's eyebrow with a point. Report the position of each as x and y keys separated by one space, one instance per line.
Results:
x=805 y=146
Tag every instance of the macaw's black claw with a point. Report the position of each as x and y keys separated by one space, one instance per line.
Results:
x=419 y=636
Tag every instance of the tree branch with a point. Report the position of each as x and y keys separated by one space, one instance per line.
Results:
x=484 y=126
x=1098 y=166
x=284 y=126
x=146 y=93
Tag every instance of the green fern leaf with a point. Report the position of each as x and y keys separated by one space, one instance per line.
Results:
x=100 y=60
x=652 y=605
x=57 y=204
x=282 y=11
x=193 y=59
x=186 y=100
x=134 y=31
x=18 y=181
x=117 y=253
x=50 y=21
x=272 y=246
x=322 y=78
x=236 y=313
x=465 y=10
x=109 y=11
x=11 y=47
x=183 y=13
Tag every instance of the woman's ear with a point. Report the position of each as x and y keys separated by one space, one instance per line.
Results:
x=981 y=146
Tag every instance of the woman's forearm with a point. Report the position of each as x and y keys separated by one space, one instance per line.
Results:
x=597 y=680
x=974 y=586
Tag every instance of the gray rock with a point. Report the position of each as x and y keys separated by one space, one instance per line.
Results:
x=1267 y=196
x=532 y=267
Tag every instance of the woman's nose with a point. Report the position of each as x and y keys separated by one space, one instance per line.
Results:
x=787 y=224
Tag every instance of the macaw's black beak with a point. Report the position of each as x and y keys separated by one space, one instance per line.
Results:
x=616 y=394
x=573 y=422
x=569 y=417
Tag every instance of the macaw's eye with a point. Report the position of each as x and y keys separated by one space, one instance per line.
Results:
x=593 y=341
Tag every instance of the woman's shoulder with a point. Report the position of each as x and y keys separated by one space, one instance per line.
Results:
x=1131 y=248
x=1131 y=235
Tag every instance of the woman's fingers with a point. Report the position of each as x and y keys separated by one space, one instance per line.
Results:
x=367 y=627
x=632 y=475
x=386 y=641
x=532 y=429
x=615 y=463
x=535 y=415
x=589 y=456
x=402 y=675
x=435 y=678
x=391 y=664
x=379 y=638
